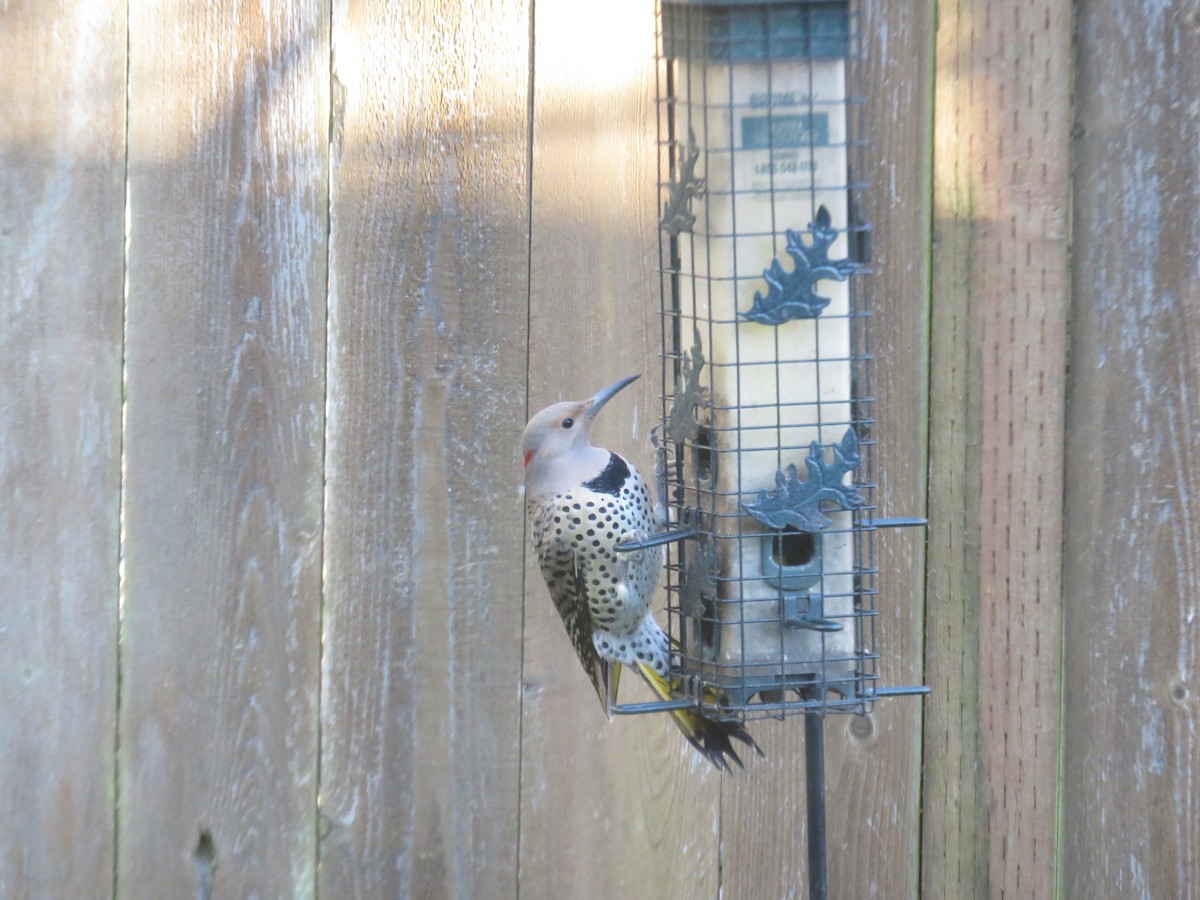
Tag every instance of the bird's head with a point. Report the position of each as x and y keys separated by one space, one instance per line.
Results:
x=556 y=448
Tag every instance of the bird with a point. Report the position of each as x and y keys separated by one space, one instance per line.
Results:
x=582 y=501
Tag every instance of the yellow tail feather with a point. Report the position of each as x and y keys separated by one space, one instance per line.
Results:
x=710 y=736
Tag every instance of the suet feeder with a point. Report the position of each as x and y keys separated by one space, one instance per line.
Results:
x=765 y=447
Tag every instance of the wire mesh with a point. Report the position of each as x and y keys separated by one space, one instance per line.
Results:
x=767 y=403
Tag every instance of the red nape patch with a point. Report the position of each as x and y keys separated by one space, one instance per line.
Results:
x=528 y=457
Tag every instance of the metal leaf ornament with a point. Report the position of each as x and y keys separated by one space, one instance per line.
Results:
x=677 y=214
x=682 y=425
x=793 y=295
x=798 y=503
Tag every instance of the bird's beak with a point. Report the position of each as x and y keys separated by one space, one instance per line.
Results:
x=599 y=398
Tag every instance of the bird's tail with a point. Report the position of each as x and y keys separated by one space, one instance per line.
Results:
x=711 y=737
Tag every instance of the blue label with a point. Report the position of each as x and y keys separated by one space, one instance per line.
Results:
x=777 y=132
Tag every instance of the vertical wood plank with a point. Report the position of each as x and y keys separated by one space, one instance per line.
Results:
x=220 y=630
x=955 y=861
x=420 y=720
x=873 y=762
x=62 y=160
x=1002 y=113
x=625 y=808
x=1131 y=808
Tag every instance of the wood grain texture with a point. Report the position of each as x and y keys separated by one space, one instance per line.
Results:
x=872 y=763
x=420 y=716
x=625 y=808
x=1131 y=814
x=62 y=160
x=998 y=361
x=228 y=118
x=475 y=277
x=955 y=861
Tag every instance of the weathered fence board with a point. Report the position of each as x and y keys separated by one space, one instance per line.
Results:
x=62 y=158
x=872 y=763
x=1001 y=129
x=1131 y=775
x=625 y=808
x=224 y=432
x=954 y=809
x=420 y=725
x=309 y=658
x=954 y=857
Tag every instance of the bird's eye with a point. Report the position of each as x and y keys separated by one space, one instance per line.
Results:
x=568 y=422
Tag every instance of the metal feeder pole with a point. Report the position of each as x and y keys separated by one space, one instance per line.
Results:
x=814 y=766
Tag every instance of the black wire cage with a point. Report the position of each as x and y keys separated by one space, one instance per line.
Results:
x=765 y=447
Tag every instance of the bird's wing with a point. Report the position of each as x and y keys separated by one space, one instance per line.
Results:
x=568 y=590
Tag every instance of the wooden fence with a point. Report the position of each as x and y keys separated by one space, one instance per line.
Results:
x=279 y=284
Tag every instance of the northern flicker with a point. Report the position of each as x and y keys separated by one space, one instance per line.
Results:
x=582 y=501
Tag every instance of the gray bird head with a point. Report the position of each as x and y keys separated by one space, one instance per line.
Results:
x=555 y=447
